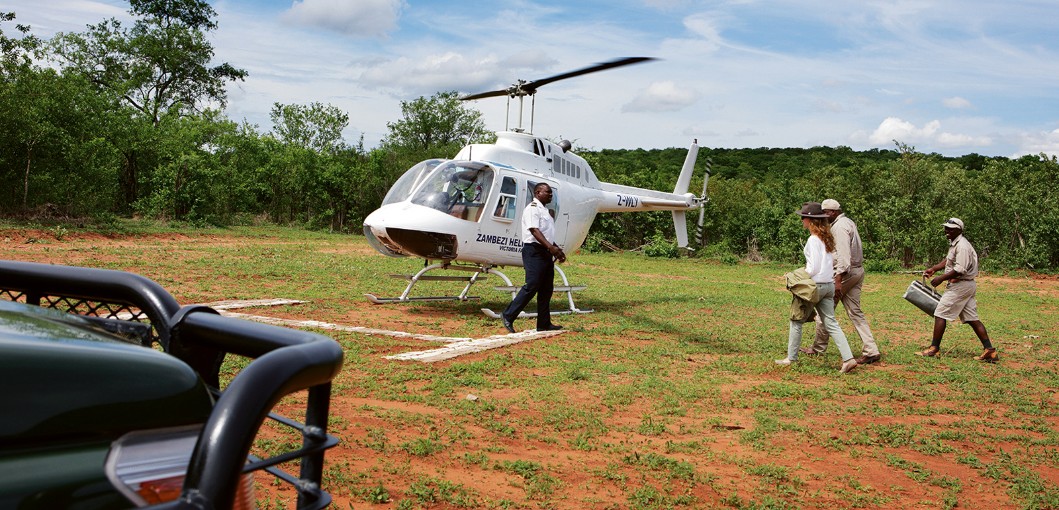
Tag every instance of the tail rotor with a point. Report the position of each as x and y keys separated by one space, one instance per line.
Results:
x=699 y=238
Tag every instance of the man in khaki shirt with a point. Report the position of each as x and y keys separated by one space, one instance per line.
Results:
x=958 y=301
x=849 y=278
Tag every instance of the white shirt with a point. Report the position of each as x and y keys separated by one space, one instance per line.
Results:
x=536 y=216
x=818 y=261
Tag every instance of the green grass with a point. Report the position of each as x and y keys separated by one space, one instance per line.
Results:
x=665 y=397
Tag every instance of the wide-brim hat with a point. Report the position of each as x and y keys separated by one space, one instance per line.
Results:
x=953 y=223
x=811 y=210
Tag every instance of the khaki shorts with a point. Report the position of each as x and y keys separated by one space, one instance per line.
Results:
x=958 y=302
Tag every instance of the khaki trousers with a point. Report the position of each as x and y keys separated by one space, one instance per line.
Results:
x=851 y=288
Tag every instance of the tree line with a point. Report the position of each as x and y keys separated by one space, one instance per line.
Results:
x=120 y=121
x=899 y=199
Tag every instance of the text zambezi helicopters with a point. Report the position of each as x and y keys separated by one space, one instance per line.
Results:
x=465 y=213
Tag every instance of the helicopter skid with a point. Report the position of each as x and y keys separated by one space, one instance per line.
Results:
x=530 y=315
x=381 y=300
x=562 y=288
x=432 y=277
x=479 y=274
x=565 y=288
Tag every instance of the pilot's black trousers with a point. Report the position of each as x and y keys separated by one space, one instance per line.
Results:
x=540 y=273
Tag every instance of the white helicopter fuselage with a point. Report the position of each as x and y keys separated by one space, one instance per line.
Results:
x=469 y=209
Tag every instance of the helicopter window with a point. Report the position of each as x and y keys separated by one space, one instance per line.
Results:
x=505 y=205
x=553 y=207
x=457 y=188
x=402 y=188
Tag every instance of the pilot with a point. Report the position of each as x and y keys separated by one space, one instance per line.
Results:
x=539 y=254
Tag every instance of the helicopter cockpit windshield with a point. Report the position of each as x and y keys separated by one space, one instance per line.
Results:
x=401 y=189
x=458 y=188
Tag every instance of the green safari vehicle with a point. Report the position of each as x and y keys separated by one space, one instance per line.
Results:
x=110 y=396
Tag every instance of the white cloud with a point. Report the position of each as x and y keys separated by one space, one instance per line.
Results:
x=704 y=27
x=662 y=96
x=954 y=140
x=930 y=134
x=1046 y=142
x=789 y=74
x=432 y=73
x=894 y=128
x=362 y=18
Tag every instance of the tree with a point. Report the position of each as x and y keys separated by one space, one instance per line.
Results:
x=16 y=54
x=50 y=125
x=160 y=65
x=315 y=127
x=438 y=124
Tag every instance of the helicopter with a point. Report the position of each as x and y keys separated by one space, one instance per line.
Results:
x=464 y=213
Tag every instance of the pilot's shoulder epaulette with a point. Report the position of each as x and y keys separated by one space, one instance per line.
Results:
x=533 y=204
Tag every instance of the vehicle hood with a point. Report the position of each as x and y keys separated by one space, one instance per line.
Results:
x=64 y=380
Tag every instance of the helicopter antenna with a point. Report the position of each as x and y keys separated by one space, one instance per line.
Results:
x=523 y=88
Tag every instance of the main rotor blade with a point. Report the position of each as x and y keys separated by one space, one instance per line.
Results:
x=530 y=88
x=494 y=93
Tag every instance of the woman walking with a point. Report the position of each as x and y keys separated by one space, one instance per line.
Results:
x=819 y=266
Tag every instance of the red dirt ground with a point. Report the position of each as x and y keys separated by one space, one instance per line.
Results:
x=578 y=472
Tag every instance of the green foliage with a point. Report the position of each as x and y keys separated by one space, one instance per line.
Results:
x=898 y=199
x=422 y=447
x=440 y=124
x=433 y=490
x=661 y=247
x=97 y=135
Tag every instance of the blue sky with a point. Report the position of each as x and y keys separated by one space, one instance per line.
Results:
x=952 y=77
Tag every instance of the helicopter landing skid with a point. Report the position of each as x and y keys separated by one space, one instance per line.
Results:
x=470 y=280
x=565 y=288
x=423 y=276
x=386 y=300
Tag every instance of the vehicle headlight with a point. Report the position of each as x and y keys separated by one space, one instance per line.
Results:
x=148 y=467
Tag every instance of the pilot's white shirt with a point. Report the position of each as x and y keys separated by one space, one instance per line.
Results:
x=536 y=216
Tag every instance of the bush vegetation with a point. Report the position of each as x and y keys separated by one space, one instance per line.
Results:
x=83 y=139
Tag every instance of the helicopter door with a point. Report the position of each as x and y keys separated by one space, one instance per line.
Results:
x=553 y=209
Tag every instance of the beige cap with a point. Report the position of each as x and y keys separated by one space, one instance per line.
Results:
x=830 y=205
x=953 y=223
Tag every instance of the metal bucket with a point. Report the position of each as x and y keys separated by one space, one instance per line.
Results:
x=923 y=296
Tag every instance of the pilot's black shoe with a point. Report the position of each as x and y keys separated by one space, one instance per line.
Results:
x=508 y=325
x=553 y=327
